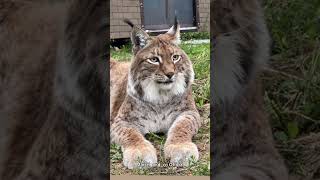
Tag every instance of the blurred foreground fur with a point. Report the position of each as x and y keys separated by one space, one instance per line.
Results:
x=243 y=146
x=52 y=90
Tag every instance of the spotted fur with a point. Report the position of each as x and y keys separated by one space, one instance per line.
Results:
x=153 y=93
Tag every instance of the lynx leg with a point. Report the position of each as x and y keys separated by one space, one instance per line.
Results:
x=179 y=146
x=137 y=151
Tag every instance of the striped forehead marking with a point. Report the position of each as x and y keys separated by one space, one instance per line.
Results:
x=163 y=50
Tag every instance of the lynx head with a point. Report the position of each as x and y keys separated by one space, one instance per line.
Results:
x=160 y=69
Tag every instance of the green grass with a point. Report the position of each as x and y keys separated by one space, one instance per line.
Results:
x=122 y=54
x=194 y=35
x=293 y=87
x=292 y=81
x=200 y=57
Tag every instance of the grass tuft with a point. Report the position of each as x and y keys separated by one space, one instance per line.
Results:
x=292 y=81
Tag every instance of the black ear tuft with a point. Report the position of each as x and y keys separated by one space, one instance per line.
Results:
x=139 y=37
x=128 y=22
x=174 y=31
x=176 y=23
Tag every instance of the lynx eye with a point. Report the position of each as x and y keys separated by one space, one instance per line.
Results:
x=176 y=58
x=154 y=60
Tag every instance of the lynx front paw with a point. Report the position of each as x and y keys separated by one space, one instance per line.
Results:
x=181 y=153
x=141 y=156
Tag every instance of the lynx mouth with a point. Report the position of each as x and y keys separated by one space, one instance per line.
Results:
x=165 y=82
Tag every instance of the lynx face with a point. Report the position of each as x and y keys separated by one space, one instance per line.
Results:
x=159 y=69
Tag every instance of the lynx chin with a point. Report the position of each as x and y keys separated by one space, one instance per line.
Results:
x=152 y=93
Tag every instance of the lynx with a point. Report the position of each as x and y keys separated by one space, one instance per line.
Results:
x=153 y=93
x=242 y=144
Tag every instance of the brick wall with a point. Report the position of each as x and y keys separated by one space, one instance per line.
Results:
x=121 y=9
x=130 y=9
x=204 y=15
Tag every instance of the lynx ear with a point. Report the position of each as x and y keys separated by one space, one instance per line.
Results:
x=139 y=37
x=174 y=32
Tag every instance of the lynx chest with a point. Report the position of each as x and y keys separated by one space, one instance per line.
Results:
x=155 y=118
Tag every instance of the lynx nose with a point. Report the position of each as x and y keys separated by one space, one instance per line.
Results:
x=169 y=75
